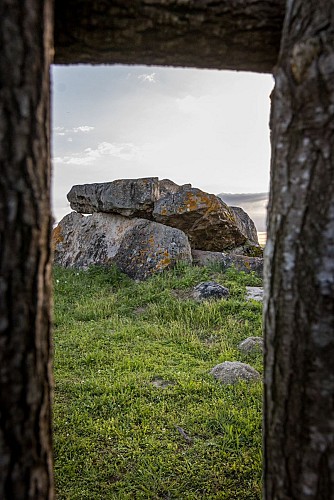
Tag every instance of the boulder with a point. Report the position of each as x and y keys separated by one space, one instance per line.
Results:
x=205 y=218
x=231 y=372
x=210 y=290
x=128 y=197
x=138 y=247
x=225 y=260
x=245 y=224
x=251 y=344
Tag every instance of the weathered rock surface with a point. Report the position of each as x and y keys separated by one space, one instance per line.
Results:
x=128 y=197
x=254 y=293
x=240 y=262
x=245 y=224
x=205 y=218
x=209 y=290
x=166 y=186
x=251 y=344
x=137 y=246
x=231 y=372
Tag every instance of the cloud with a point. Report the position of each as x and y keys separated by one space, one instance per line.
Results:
x=148 y=77
x=124 y=151
x=242 y=198
x=62 y=131
x=82 y=128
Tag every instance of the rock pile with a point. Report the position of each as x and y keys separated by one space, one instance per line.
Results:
x=147 y=225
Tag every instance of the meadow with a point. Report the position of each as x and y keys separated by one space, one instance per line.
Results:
x=136 y=413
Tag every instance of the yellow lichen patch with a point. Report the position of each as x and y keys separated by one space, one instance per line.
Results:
x=57 y=237
x=164 y=262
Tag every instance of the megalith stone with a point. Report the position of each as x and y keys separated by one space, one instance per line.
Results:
x=205 y=218
x=138 y=247
x=231 y=372
x=128 y=197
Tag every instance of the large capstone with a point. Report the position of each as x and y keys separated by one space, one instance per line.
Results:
x=138 y=247
x=128 y=197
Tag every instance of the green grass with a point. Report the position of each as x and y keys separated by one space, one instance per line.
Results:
x=116 y=432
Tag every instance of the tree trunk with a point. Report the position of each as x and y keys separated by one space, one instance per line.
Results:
x=25 y=223
x=299 y=309
x=220 y=34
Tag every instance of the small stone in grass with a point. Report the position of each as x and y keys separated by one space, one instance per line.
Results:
x=210 y=290
x=251 y=344
x=230 y=372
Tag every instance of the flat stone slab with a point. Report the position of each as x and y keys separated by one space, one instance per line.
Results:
x=128 y=197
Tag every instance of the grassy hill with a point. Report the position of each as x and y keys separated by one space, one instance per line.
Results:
x=137 y=414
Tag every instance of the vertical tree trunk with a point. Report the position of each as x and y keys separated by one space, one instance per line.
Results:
x=299 y=310
x=25 y=345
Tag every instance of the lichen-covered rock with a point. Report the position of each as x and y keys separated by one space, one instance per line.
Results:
x=166 y=187
x=210 y=290
x=128 y=197
x=138 y=247
x=248 y=249
x=226 y=260
x=245 y=224
x=251 y=344
x=205 y=218
x=231 y=372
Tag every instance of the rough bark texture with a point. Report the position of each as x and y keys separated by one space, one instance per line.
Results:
x=25 y=374
x=299 y=312
x=221 y=34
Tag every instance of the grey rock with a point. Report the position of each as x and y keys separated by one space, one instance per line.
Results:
x=166 y=187
x=254 y=293
x=138 y=247
x=227 y=260
x=245 y=224
x=210 y=290
x=205 y=218
x=231 y=372
x=251 y=344
x=128 y=197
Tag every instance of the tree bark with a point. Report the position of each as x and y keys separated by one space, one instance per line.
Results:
x=299 y=309
x=25 y=346
x=220 y=34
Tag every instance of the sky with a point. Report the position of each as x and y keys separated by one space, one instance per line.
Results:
x=204 y=127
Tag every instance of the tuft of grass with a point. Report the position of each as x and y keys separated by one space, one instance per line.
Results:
x=136 y=413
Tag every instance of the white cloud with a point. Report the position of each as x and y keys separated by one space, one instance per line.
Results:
x=124 y=151
x=61 y=131
x=82 y=128
x=148 y=77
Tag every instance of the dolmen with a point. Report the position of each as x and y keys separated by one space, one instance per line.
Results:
x=147 y=225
